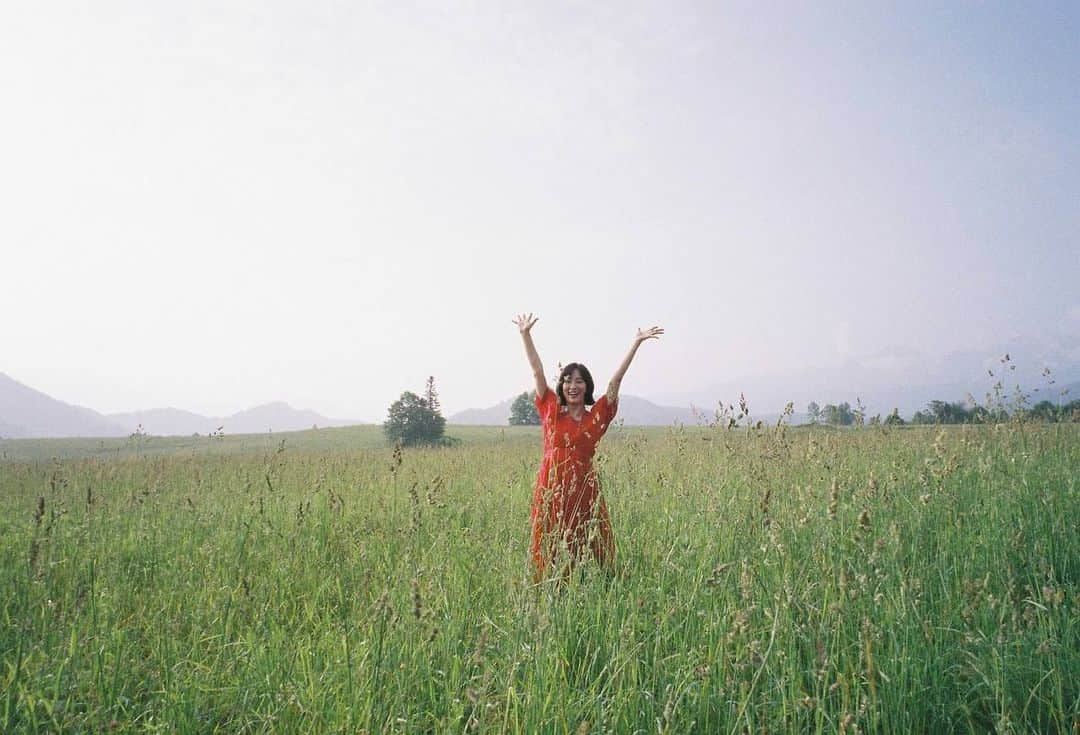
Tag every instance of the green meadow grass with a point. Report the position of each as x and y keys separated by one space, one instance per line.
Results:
x=892 y=581
x=343 y=439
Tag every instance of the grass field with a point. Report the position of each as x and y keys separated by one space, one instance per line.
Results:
x=345 y=439
x=782 y=580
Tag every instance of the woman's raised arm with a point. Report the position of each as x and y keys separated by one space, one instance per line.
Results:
x=525 y=324
x=616 y=380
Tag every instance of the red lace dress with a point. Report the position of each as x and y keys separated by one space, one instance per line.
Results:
x=567 y=506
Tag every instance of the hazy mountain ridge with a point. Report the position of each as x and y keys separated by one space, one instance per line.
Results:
x=279 y=416
x=29 y=413
x=636 y=411
x=902 y=378
x=274 y=416
x=497 y=415
x=633 y=411
x=26 y=413
x=905 y=379
x=165 y=422
x=10 y=431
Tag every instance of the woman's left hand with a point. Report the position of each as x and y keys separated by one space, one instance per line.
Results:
x=650 y=333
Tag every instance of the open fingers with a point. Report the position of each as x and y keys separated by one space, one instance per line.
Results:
x=524 y=321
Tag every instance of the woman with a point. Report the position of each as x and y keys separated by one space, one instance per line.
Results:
x=567 y=507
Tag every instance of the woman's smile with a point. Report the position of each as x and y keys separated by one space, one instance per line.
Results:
x=574 y=388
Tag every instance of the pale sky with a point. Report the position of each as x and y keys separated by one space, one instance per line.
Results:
x=323 y=203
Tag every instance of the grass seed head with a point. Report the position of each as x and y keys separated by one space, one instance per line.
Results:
x=417 y=601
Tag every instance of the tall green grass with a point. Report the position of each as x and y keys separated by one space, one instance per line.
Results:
x=775 y=580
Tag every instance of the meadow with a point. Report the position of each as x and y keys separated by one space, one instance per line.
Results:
x=881 y=580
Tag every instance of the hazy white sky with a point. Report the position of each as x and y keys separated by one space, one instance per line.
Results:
x=211 y=207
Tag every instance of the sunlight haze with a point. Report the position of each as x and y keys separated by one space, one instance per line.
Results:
x=211 y=208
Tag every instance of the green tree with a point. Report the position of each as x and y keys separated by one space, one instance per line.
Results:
x=431 y=395
x=413 y=420
x=813 y=412
x=523 y=411
x=893 y=419
x=838 y=415
x=1044 y=411
x=945 y=412
x=858 y=416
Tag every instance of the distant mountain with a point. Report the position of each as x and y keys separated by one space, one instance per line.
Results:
x=28 y=413
x=904 y=379
x=166 y=422
x=634 y=411
x=277 y=416
x=10 y=431
x=497 y=415
x=25 y=413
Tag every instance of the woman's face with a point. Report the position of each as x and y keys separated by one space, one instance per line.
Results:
x=573 y=388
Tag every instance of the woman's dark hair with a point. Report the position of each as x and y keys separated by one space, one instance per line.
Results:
x=585 y=375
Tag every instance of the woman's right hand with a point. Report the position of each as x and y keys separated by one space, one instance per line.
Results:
x=525 y=322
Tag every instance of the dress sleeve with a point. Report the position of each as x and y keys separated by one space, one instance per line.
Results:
x=546 y=406
x=603 y=412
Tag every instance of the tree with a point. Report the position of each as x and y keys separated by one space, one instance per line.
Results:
x=413 y=420
x=1044 y=411
x=946 y=412
x=858 y=417
x=813 y=412
x=431 y=395
x=523 y=411
x=838 y=415
x=893 y=419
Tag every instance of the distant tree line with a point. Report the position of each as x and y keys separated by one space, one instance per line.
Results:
x=999 y=407
x=944 y=412
x=834 y=414
x=1052 y=413
x=948 y=412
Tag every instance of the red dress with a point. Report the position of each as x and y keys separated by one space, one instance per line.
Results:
x=566 y=505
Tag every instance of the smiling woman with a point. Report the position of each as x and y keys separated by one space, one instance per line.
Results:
x=568 y=513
